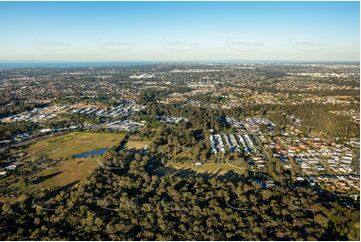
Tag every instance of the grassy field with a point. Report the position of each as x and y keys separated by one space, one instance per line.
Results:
x=137 y=144
x=68 y=170
x=65 y=173
x=67 y=145
x=211 y=167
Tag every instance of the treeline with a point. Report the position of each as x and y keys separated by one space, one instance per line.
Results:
x=198 y=117
x=170 y=141
x=9 y=130
x=154 y=94
x=64 y=120
x=15 y=107
x=122 y=201
x=315 y=118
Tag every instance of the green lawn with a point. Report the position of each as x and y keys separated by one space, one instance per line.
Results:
x=68 y=170
x=137 y=144
x=211 y=167
x=67 y=145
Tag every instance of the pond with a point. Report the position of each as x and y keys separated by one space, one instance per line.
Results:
x=91 y=153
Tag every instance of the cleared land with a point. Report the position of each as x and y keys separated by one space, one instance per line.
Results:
x=67 y=145
x=69 y=170
x=211 y=167
x=137 y=144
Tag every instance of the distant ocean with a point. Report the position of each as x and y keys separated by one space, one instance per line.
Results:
x=68 y=64
x=100 y=64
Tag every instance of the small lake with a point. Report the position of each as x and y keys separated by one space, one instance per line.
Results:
x=91 y=153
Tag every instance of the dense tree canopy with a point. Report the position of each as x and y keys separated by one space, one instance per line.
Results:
x=122 y=200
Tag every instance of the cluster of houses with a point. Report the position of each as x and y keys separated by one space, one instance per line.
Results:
x=7 y=170
x=30 y=135
x=258 y=160
x=234 y=143
x=170 y=119
x=55 y=130
x=242 y=143
x=250 y=124
x=334 y=182
x=121 y=110
x=253 y=124
x=235 y=123
x=250 y=128
x=124 y=109
x=327 y=163
x=332 y=167
x=141 y=76
x=124 y=125
x=312 y=154
x=36 y=115
x=22 y=137
x=352 y=114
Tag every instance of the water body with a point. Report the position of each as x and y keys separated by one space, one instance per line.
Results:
x=259 y=182
x=91 y=153
x=99 y=64
x=71 y=64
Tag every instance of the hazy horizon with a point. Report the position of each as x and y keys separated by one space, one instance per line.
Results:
x=180 y=31
x=111 y=64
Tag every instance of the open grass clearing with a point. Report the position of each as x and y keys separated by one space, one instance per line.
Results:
x=211 y=168
x=65 y=146
x=137 y=144
x=65 y=173
x=68 y=171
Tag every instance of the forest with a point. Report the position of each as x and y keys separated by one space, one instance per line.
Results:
x=315 y=118
x=124 y=200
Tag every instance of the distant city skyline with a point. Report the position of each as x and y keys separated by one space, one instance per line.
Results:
x=179 y=31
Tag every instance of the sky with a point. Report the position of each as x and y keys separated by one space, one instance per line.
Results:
x=179 y=31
